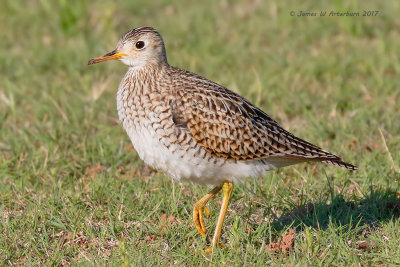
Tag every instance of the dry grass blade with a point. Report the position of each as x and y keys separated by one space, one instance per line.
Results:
x=394 y=167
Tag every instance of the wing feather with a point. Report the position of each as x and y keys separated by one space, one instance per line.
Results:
x=228 y=126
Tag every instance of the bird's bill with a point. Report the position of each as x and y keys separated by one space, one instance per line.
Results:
x=109 y=56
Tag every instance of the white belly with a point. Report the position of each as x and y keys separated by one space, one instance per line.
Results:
x=184 y=165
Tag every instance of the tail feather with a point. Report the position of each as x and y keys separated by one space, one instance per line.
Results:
x=340 y=163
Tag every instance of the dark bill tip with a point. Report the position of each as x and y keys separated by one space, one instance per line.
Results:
x=92 y=61
x=112 y=55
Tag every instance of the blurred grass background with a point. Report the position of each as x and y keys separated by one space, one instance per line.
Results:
x=73 y=191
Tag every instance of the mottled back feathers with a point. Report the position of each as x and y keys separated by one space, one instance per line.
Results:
x=228 y=126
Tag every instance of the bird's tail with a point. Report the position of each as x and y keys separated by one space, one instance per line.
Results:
x=340 y=163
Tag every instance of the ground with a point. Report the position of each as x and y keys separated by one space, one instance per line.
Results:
x=73 y=191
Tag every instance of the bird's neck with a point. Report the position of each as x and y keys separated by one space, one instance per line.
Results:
x=149 y=69
x=142 y=80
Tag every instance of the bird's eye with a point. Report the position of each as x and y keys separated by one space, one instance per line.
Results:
x=139 y=45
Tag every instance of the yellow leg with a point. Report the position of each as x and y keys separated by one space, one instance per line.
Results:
x=198 y=209
x=227 y=189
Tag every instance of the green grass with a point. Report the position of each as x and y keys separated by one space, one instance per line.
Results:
x=73 y=191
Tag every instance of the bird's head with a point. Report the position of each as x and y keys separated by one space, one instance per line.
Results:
x=137 y=48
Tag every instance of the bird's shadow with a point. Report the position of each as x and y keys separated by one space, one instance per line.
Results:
x=378 y=206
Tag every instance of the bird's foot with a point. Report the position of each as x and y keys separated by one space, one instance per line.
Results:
x=198 y=209
x=198 y=217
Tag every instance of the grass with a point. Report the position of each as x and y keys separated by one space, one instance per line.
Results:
x=73 y=191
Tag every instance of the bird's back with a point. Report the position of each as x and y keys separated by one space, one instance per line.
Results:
x=228 y=126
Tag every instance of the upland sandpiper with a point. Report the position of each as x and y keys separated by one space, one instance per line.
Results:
x=197 y=130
